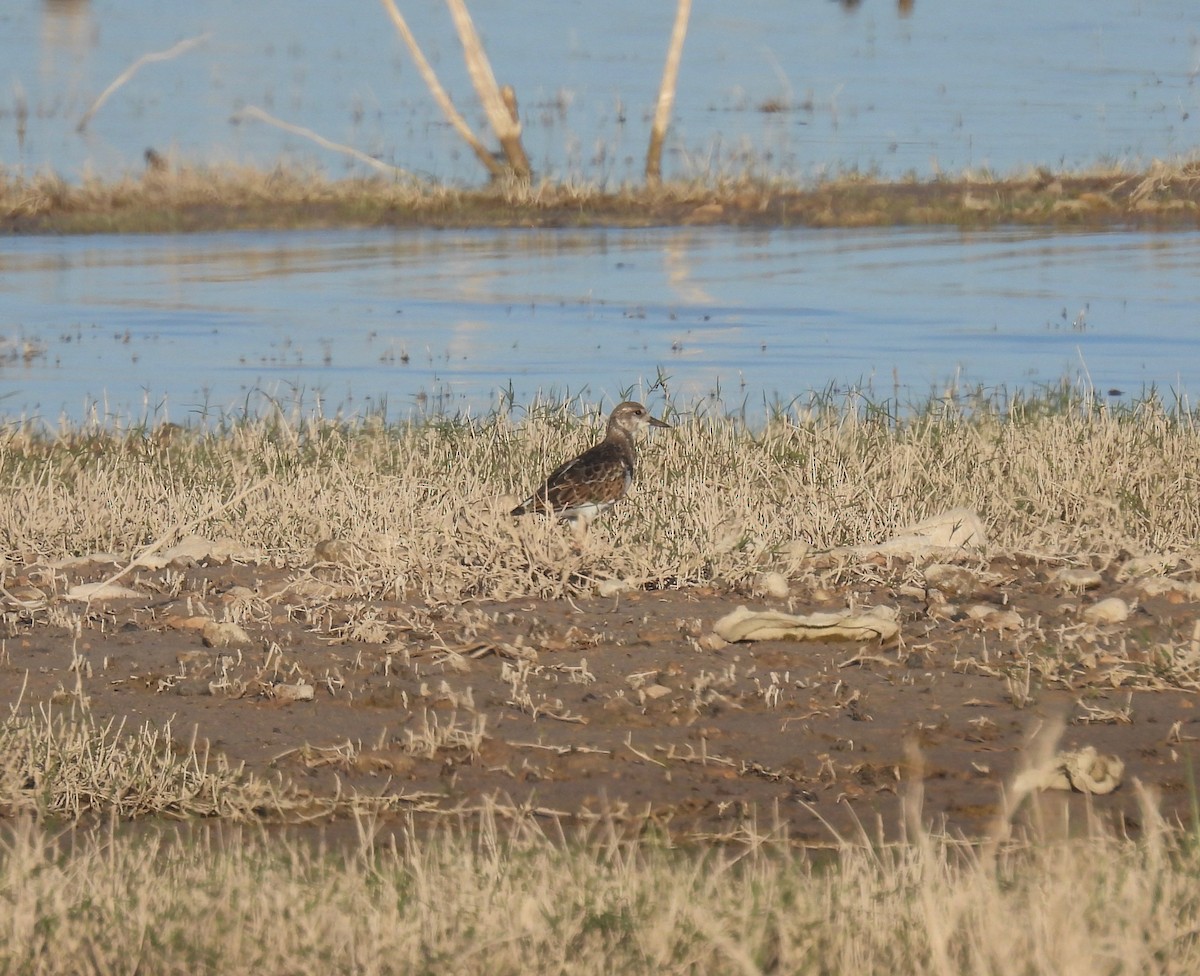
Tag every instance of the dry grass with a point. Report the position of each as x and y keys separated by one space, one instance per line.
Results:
x=420 y=511
x=65 y=766
x=182 y=198
x=476 y=899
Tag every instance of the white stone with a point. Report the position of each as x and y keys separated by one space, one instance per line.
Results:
x=878 y=623
x=1114 y=610
x=1077 y=579
x=91 y=592
x=224 y=635
x=612 y=587
x=300 y=691
x=772 y=584
x=954 y=581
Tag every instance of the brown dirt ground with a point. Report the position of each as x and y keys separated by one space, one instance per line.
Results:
x=708 y=747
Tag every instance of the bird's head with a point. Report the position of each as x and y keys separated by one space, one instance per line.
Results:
x=629 y=416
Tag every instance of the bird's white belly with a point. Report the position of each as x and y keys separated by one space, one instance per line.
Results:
x=588 y=511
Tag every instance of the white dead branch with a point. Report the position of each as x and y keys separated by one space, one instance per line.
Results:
x=254 y=112
x=666 y=92
x=503 y=120
x=455 y=119
x=124 y=76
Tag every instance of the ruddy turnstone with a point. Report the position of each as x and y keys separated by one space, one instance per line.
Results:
x=596 y=480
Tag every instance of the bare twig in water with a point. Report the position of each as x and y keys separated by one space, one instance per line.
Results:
x=439 y=93
x=254 y=112
x=503 y=120
x=666 y=92
x=133 y=69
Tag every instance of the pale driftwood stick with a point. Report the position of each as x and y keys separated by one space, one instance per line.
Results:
x=666 y=93
x=177 y=529
x=133 y=69
x=254 y=112
x=439 y=93
x=503 y=121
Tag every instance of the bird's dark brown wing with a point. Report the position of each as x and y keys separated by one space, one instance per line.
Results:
x=599 y=476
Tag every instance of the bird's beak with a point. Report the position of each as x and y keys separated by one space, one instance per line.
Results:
x=655 y=422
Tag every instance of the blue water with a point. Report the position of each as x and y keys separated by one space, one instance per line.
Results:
x=950 y=86
x=177 y=327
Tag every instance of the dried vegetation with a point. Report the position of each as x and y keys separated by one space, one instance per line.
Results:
x=420 y=511
x=389 y=547
x=515 y=900
x=186 y=198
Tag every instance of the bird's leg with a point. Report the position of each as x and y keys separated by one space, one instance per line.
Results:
x=579 y=533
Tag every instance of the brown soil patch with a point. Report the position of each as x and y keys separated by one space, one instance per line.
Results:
x=614 y=706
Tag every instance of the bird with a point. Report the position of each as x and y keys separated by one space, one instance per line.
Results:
x=584 y=487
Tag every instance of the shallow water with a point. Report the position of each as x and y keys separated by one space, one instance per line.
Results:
x=948 y=86
x=175 y=327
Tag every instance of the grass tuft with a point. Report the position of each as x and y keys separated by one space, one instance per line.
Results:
x=476 y=898
x=181 y=197
x=422 y=508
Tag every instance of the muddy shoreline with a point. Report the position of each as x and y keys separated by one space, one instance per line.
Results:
x=193 y=200
x=624 y=707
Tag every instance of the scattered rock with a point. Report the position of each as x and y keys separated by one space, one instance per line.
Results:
x=995 y=618
x=224 y=635
x=332 y=551
x=1086 y=771
x=954 y=581
x=91 y=592
x=742 y=624
x=612 y=587
x=1146 y=566
x=772 y=585
x=950 y=533
x=300 y=691
x=1114 y=610
x=1076 y=580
